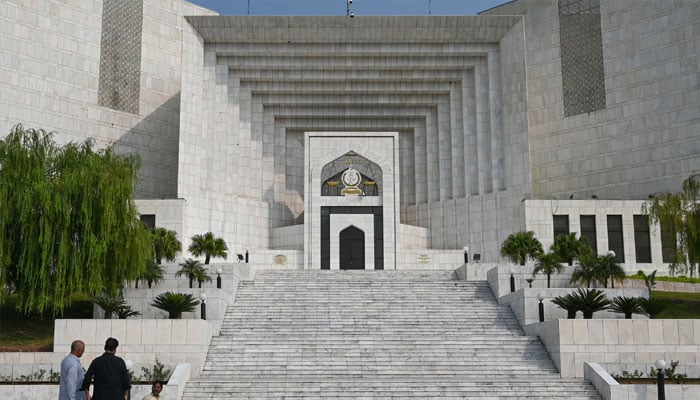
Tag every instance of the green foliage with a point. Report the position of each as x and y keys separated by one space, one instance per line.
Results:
x=649 y=280
x=153 y=273
x=590 y=301
x=547 y=263
x=568 y=247
x=681 y=213
x=67 y=222
x=669 y=373
x=679 y=279
x=567 y=303
x=609 y=268
x=39 y=376
x=637 y=374
x=208 y=245
x=587 y=301
x=626 y=305
x=201 y=275
x=653 y=306
x=115 y=305
x=679 y=305
x=175 y=303
x=520 y=246
x=194 y=270
x=191 y=268
x=126 y=311
x=157 y=374
x=165 y=244
x=109 y=303
x=587 y=271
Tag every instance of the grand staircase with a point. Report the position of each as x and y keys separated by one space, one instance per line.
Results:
x=375 y=335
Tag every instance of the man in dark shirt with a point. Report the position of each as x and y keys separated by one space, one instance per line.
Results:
x=111 y=378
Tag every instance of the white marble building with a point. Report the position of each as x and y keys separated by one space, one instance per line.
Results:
x=463 y=129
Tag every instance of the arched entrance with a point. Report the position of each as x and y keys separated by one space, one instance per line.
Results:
x=352 y=248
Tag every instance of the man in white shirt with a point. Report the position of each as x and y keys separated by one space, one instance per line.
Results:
x=72 y=374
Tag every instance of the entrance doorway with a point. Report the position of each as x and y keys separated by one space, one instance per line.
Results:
x=352 y=248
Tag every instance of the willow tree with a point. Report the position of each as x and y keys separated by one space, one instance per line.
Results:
x=67 y=222
x=680 y=212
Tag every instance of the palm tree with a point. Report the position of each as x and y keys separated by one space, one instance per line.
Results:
x=208 y=245
x=153 y=274
x=547 y=263
x=126 y=311
x=175 y=303
x=590 y=301
x=110 y=303
x=610 y=268
x=567 y=303
x=520 y=245
x=568 y=247
x=165 y=244
x=201 y=275
x=626 y=305
x=649 y=280
x=587 y=271
x=189 y=268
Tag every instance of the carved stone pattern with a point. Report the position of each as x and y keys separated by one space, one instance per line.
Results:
x=120 y=55
x=583 y=76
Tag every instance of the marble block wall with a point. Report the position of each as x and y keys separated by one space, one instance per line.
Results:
x=572 y=342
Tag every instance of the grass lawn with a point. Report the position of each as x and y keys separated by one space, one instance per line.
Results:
x=34 y=332
x=682 y=305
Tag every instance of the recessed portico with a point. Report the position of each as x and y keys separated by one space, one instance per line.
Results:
x=341 y=209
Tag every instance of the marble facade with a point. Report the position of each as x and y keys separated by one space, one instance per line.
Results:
x=489 y=117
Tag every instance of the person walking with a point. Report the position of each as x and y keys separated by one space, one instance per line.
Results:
x=109 y=375
x=72 y=374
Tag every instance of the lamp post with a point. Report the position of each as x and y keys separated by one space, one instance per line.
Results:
x=246 y=255
x=611 y=258
x=660 y=364
x=347 y=9
x=540 y=306
x=512 y=281
x=466 y=254
x=218 y=278
x=203 y=297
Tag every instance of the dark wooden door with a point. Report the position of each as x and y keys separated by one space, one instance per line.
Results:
x=352 y=248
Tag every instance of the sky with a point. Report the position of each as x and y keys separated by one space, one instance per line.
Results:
x=358 y=7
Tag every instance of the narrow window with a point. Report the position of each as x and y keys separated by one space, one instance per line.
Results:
x=668 y=243
x=148 y=220
x=561 y=225
x=588 y=231
x=615 y=238
x=642 y=243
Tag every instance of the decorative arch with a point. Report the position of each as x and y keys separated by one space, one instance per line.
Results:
x=370 y=171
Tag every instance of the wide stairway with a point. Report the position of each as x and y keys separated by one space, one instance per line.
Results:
x=375 y=335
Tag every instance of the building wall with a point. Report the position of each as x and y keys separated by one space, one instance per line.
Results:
x=50 y=79
x=462 y=132
x=645 y=138
x=539 y=220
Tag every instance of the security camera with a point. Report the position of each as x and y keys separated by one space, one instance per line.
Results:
x=349 y=1
x=352 y=15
